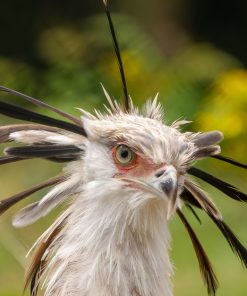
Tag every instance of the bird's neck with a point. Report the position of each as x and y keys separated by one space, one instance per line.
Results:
x=116 y=250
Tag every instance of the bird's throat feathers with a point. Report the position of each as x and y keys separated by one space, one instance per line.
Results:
x=113 y=245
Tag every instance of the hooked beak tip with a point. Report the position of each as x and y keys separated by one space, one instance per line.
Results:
x=169 y=185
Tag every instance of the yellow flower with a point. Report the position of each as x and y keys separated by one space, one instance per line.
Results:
x=226 y=107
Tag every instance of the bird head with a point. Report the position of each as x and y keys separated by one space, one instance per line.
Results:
x=143 y=155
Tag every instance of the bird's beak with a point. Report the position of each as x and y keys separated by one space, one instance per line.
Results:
x=164 y=185
x=167 y=182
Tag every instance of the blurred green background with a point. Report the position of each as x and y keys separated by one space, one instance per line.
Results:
x=193 y=52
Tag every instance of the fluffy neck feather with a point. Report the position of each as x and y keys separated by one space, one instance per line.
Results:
x=112 y=245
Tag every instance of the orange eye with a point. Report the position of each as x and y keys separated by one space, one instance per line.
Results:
x=124 y=155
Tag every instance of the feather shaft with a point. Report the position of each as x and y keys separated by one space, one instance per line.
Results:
x=17 y=112
x=6 y=130
x=118 y=55
x=224 y=187
x=208 y=139
x=7 y=203
x=230 y=237
x=202 y=199
x=236 y=246
x=39 y=260
x=52 y=199
x=41 y=104
x=44 y=151
x=9 y=159
x=206 y=268
x=231 y=161
x=194 y=213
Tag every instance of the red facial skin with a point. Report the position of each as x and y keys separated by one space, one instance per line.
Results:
x=137 y=167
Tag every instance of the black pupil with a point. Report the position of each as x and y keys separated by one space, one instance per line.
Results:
x=124 y=153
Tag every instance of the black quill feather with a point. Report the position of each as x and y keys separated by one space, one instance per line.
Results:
x=41 y=104
x=7 y=203
x=231 y=161
x=8 y=159
x=44 y=151
x=194 y=213
x=118 y=55
x=24 y=114
x=231 y=238
x=224 y=187
x=206 y=268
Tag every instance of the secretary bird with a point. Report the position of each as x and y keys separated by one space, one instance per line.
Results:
x=127 y=174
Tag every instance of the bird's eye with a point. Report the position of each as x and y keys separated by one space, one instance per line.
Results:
x=124 y=155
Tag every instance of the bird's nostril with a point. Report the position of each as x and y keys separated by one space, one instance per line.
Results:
x=160 y=173
x=167 y=186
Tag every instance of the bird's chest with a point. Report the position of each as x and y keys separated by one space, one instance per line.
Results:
x=123 y=255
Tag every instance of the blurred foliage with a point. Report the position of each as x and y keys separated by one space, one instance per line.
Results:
x=229 y=91
x=199 y=83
